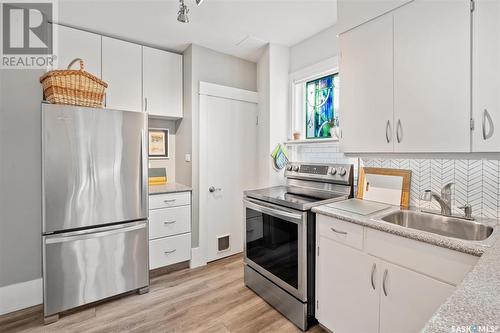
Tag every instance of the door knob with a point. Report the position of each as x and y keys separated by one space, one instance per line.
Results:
x=212 y=189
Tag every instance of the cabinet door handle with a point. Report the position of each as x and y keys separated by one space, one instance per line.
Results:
x=170 y=252
x=374 y=267
x=486 y=116
x=169 y=222
x=383 y=282
x=388 y=131
x=399 y=131
x=145 y=104
x=338 y=231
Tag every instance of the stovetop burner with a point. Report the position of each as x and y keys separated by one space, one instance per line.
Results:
x=309 y=185
x=294 y=197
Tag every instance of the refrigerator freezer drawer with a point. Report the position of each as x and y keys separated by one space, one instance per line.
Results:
x=86 y=266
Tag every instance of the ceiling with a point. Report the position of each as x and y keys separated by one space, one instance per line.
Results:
x=237 y=27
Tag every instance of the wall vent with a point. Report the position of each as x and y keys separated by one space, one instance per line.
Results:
x=223 y=243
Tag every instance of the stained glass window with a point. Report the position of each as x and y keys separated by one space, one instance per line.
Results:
x=321 y=103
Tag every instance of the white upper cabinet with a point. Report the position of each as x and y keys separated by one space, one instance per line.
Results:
x=353 y=13
x=432 y=76
x=72 y=43
x=162 y=83
x=486 y=76
x=122 y=70
x=406 y=80
x=366 y=76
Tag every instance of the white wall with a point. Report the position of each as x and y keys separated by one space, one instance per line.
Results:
x=202 y=64
x=273 y=85
x=319 y=47
x=20 y=176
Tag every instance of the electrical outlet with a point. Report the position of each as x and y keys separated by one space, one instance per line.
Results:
x=187 y=158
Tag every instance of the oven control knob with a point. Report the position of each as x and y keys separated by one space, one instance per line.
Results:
x=295 y=168
x=342 y=171
x=289 y=167
x=333 y=171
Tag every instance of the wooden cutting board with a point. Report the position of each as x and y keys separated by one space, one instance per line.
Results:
x=390 y=186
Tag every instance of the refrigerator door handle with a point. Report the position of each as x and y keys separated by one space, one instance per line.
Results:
x=94 y=233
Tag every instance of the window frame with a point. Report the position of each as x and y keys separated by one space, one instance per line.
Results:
x=327 y=67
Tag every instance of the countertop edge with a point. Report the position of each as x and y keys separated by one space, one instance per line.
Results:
x=168 y=188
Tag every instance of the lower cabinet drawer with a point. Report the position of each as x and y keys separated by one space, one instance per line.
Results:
x=169 y=221
x=341 y=231
x=169 y=250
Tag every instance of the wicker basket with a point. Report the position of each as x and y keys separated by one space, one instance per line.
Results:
x=73 y=87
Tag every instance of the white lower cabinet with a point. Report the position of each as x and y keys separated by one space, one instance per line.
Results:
x=169 y=229
x=360 y=292
x=347 y=301
x=409 y=299
x=169 y=250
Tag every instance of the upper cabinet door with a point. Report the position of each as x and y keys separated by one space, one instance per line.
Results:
x=486 y=76
x=432 y=76
x=351 y=13
x=73 y=43
x=162 y=83
x=366 y=93
x=122 y=70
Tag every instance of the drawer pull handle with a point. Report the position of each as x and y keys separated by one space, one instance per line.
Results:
x=250 y=230
x=338 y=231
x=374 y=267
x=169 y=200
x=170 y=252
x=383 y=283
x=169 y=222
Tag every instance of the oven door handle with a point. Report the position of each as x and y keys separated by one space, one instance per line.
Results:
x=292 y=217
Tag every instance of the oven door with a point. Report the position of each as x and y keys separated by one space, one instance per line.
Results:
x=276 y=245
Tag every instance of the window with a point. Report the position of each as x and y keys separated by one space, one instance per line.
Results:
x=321 y=97
x=314 y=99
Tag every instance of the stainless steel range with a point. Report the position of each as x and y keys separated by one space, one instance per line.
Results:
x=280 y=236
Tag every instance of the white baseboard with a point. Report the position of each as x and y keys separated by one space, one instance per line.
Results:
x=20 y=296
x=197 y=258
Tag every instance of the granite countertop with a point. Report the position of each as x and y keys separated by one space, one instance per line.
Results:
x=476 y=300
x=168 y=188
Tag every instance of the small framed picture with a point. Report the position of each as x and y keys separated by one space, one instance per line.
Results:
x=158 y=143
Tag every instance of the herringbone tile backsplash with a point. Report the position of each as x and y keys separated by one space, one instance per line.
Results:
x=477 y=182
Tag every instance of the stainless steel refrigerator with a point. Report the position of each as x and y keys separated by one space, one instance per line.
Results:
x=94 y=224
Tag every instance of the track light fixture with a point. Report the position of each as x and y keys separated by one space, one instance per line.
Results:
x=182 y=15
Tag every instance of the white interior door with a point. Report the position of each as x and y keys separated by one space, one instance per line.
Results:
x=228 y=164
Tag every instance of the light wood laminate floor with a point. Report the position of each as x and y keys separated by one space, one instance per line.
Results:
x=206 y=299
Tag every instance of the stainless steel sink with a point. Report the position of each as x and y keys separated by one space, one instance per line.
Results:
x=439 y=224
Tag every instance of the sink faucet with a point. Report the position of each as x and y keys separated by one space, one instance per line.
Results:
x=444 y=200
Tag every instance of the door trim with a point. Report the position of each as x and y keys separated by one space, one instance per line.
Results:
x=217 y=90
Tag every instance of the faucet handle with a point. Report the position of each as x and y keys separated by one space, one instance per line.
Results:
x=467 y=211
